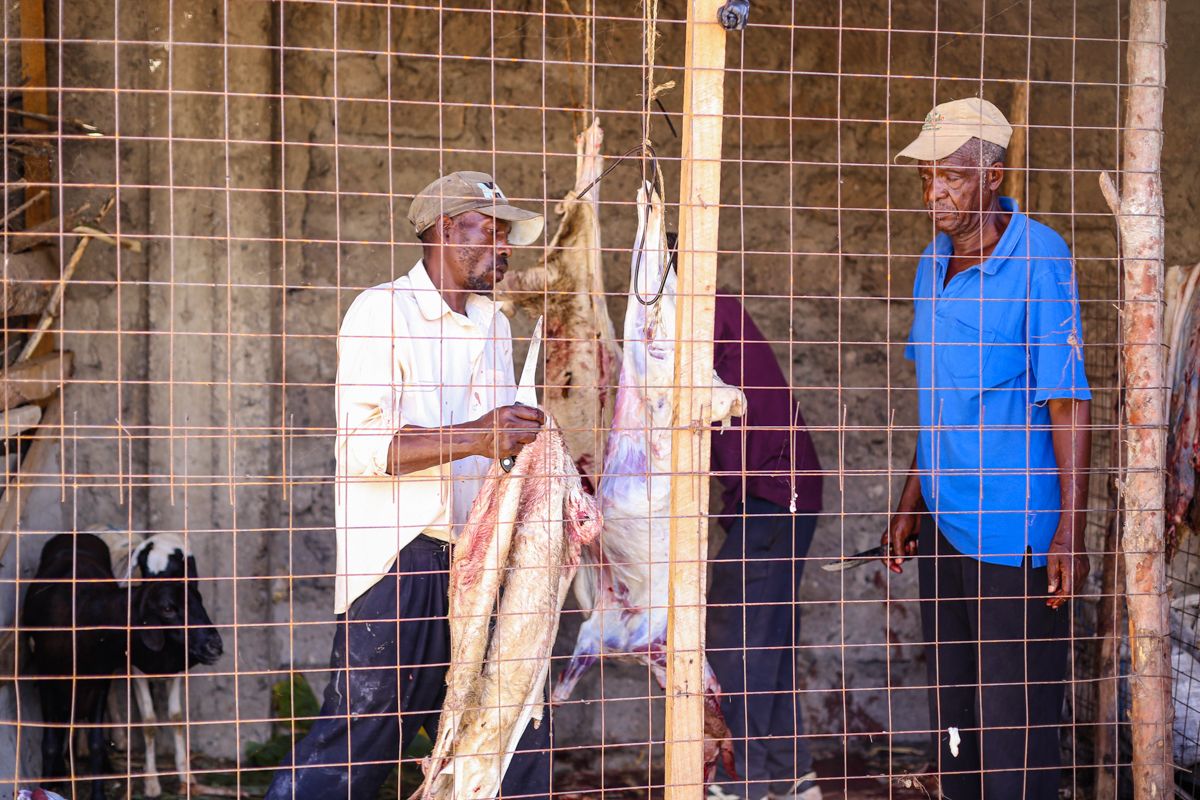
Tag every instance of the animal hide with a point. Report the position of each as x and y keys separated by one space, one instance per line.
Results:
x=568 y=288
x=512 y=564
x=627 y=571
x=1183 y=439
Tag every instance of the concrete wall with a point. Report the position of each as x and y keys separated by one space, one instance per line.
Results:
x=270 y=185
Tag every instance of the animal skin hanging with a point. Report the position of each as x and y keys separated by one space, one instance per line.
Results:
x=513 y=563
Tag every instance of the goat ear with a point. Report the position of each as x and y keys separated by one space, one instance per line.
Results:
x=153 y=638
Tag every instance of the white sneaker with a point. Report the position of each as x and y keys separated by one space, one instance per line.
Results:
x=804 y=789
x=717 y=792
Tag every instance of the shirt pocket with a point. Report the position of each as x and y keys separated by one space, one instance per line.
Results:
x=1006 y=361
x=962 y=352
x=976 y=359
x=420 y=404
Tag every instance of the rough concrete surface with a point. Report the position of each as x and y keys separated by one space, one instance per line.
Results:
x=270 y=185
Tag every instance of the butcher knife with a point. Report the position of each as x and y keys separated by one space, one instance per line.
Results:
x=526 y=391
x=856 y=560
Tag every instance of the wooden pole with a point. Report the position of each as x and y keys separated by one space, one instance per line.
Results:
x=33 y=72
x=1018 y=147
x=1141 y=226
x=699 y=210
x=1111 y=607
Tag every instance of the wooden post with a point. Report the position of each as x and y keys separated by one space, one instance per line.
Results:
x=1018 y=147
x=1141 y=225
x=33 y=72
x=699 y=209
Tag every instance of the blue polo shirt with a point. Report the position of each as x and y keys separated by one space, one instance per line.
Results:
x=990 y=349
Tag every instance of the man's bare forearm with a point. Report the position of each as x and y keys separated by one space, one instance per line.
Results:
x=414 y=449
x=911 y=499
x=499 y=433
x=1072 y=437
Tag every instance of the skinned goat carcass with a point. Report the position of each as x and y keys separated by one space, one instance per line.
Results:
x=568 y=288
x=1183 y=438
x=513 y=563
x=625 y=575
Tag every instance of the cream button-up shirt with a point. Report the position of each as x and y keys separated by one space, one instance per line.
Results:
x=404 y=358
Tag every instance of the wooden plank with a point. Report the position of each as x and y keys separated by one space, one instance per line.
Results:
x=28 y=280
x=13 y=651
x=15 y=421
x=48 y=232
x=33 y=71
x=56 y=297
x=27 y=477
x=35 y=379
x=699 y=210
x=1142 y=228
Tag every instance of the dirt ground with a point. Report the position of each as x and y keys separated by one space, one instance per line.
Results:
x=899 y=774
x=576 y=778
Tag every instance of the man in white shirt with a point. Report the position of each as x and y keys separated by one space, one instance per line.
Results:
x=425 y=394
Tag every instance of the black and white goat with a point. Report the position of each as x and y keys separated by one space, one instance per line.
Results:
x=163 y=556
x=84 y=627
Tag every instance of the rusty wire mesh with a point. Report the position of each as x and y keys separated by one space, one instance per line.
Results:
x=264 y=155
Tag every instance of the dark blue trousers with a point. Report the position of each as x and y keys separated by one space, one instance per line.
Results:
x=997 y=660
x=389 y=661
x=752 y=631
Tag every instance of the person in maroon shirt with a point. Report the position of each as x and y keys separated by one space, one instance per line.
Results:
x=772 y=479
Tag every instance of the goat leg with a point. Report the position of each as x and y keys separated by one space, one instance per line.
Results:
x=120 y=738
x=149 y=733
x=183 y=761
x=97 y=695
x=54 y=740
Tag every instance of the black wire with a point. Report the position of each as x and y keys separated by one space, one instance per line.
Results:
x=646 y=150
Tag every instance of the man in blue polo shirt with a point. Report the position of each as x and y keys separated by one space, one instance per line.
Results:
x=996 y=500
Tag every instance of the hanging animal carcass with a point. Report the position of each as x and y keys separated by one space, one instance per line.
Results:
x=1183 y=438
x=568 y=288
x=513 y=564
x=624 y=579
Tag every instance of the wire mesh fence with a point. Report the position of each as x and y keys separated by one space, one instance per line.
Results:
x=236 y=346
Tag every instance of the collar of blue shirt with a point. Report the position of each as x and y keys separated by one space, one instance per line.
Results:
x=1013 y=235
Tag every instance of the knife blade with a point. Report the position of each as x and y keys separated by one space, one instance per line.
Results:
x=856 y=560
x=526 y=391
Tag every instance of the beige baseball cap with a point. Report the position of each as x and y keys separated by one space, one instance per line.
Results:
x=460 y=192
x=951 y=125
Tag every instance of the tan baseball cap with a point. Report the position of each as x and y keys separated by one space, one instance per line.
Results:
x=951 y=125
x=460 y=192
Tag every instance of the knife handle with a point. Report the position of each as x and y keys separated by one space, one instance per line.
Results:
x=507 y=462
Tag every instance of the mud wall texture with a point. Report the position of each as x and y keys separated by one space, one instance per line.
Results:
x=267 y=159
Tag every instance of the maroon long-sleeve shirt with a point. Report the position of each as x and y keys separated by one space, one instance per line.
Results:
x=778 y=452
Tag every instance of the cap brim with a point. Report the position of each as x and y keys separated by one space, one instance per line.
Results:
x=933 y=148
x=526 y=225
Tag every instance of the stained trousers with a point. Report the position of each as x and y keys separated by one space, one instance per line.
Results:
x=389 y=661
x=997 y=660
x=752 y=630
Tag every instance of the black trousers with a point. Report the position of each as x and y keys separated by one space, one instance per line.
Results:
x=997 y=660
x=752 y=629
x=390 y=656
